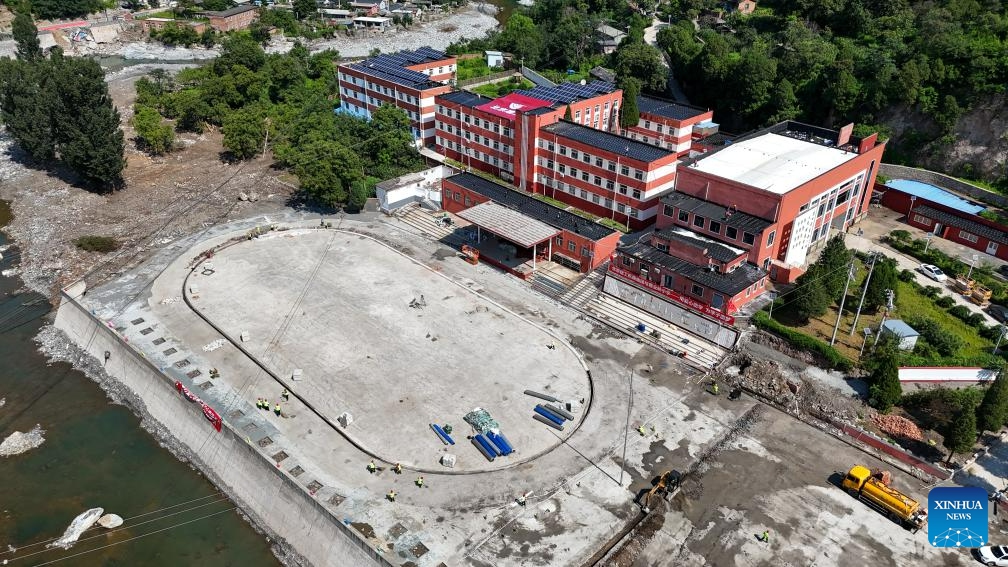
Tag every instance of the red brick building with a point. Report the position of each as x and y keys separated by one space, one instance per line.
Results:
x=237 y=18
x=408 y=79
x=575 y=242
x=670 y=125
x=776 y=193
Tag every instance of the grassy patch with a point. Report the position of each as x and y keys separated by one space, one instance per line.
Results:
x=554 y=202
x=472 y=68
x=501 y=88
x=802 y=341
x=613 y=225
x=101 y=244
x=166 y=14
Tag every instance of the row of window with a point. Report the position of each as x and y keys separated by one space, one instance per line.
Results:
x=475 y=138
x=696 y=289
x=607 y=184
x=375 y=87
x=842 y=194
x=474 y=153
x=730 y=232
x=585 y=157
x=439 y=70
x=592 y=197
x=600 y=112
x=473 y=120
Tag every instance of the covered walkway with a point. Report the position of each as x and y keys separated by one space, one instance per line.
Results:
x=508 y=239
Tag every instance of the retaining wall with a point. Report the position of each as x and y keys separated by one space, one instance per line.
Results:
x=272 y=499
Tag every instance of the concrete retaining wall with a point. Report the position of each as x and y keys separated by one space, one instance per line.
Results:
x=272 y=499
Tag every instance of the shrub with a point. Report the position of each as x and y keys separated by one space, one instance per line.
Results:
x=101 y=244
x=960 y=312
x=907 y=276
x=900 y=235
x=931 y=291
x=802 y=341
x=945 y=343
x=976 y=320
x=945 y=302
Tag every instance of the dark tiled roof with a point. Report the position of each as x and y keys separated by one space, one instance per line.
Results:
x=715 y=250
x=729 y=284
x=392 y=67
x=530 y=206
x=612 y=143
x=230 y=12
x=713 y=211
x=465 y=98
x=668 y=108
x=716 y=140
x=567 y=93
x=964 y=223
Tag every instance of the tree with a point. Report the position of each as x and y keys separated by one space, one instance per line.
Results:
x=812 y=297
x=239 y=50
x=885 y=390
x=26 y=106
x=884 y=277
x=834 y=260
x=642 y=62
x=244 y=132
x=522 y=39
x=961 y=434
x=629 y=113
x=327 y=172
x=153 y=135
x=993 y=411
x=304 y=8
x=26 y=35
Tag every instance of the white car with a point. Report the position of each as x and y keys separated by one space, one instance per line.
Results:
x=933 y=272
x=993 y=555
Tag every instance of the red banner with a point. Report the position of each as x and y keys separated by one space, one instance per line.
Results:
x=208 y=411
x=689 y=302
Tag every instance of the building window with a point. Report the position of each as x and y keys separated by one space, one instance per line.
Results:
x=921 y=219
x=598 y=162
x=770 y=238
x=627 y=261
x=667 y=281
x=467 y=201
x=663 y=247
x=595 y=198
x=563 y=150
x=647 y=124
x=731 y=232
x=574 y=154
x=559 y=240
x=572 y=246
x=598 y=181
x=636 y=194
x=967 y=236
x=577 y=116
x=624 y=170
x=586 y=158
x=458 y=196
x=584 y=176
x=697 y=290
x=683 y=216
x=698 y=221
x=748 y=238
x=609 y=185
x=611 y=166
x=585 y=252
x=638 y=175
x=714 y=227
x=622 y=189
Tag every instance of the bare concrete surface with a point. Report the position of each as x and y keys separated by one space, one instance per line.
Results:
x=770 y=472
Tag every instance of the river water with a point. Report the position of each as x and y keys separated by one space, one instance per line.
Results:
x=96 y=454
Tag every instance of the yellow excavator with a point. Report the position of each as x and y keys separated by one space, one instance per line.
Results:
x=667 y=485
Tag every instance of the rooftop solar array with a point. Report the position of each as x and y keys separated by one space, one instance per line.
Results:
x=668 y=108
x=392 y=67
x=567 y=93
x=465 y=98
x=611 y=143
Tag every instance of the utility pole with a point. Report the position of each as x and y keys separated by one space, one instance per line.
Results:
x=773 y=298
x=889 y=306
x=973 y=263
x=871 y=269
x=626 y=432
x=1001 y=336
x=843 y=299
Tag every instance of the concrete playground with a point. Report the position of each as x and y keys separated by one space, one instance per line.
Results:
x=338 y=307
x=336 y=304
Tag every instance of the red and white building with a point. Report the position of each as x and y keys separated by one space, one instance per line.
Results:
x=408 y=79
x=671 y=125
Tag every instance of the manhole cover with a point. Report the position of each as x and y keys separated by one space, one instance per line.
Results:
x=194 y=373
x=158 y=341
x=250 y=427
x=314 y=486
x=137 y=321
x=296 y=471
x=280 y=456
x=265 y=442
x=236 y=414
x=170 y=351
x=396 y=531
x=206 y=385
x=182 y=363
x=146 y=331
x=336 y=499
x=419 y=550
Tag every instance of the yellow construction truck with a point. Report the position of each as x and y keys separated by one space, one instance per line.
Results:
x=873 y=488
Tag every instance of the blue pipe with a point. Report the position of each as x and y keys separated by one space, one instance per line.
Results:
x=486 y=445
x=501 y=446
x=506 y=442
x=441 y=433
x=549 y=415
x=479 y=447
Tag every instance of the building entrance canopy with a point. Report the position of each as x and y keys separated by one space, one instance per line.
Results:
x=509 y=224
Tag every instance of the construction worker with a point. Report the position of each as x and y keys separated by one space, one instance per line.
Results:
x=285 y=395
x=714 y=388
x=766 y=536
x=258 y=403
x=391 y=495
x=371 y=467
x=397 y=468
x=642 y=430
x=265 y=405
x=419 y=481
x=276 y=410
x=522 y=499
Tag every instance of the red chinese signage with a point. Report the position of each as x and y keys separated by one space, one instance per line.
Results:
x=693 y=304
x=208 y=411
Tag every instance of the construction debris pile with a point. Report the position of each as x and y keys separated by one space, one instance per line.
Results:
x=898 y=427
x=791 y=390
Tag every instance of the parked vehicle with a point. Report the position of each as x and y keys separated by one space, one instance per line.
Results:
x=993 y=555
x=873 y=489
x=933 y=272
x=998 y=312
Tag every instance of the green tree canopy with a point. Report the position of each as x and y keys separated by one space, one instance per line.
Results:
x=153 y=135
x=245 y=132
x=642 y=62
x=523 y=39
x=961 y=433
x=629 y=112
x=811 y=298
x=834 y=259
x=885 y=390
x=993 y=411
x=26 y=35
x=885 y=276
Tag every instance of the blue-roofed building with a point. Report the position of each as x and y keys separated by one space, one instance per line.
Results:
x=407 y=79
x=945 y=214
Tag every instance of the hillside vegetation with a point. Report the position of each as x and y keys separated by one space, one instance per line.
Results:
x=918 y=64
